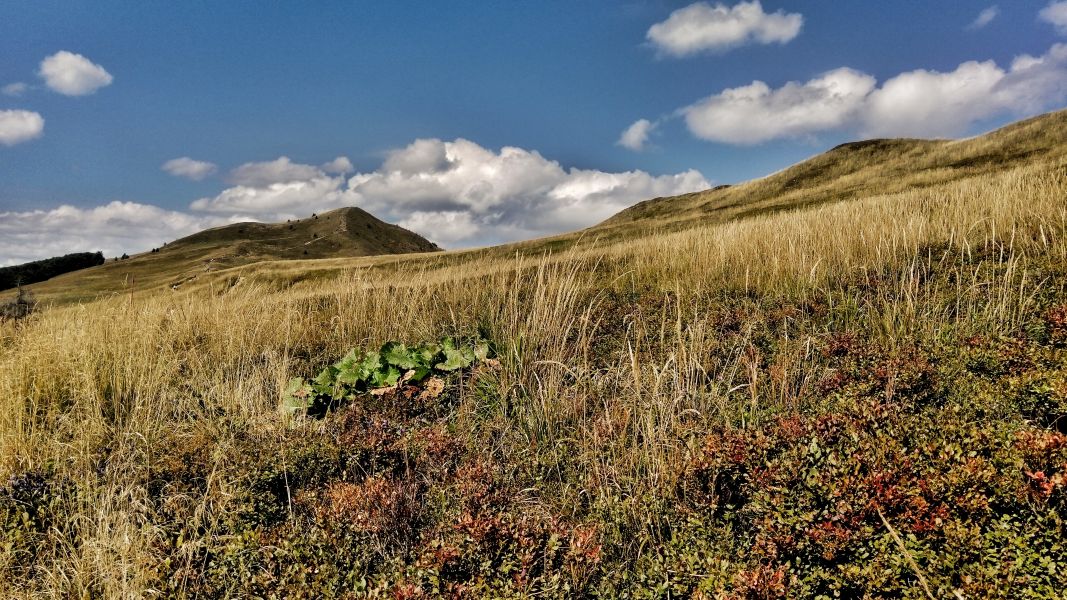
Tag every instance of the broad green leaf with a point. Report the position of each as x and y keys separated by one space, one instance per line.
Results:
x=351 y=373
x=297 y=396
x=427 y=355
x=372 y=362
x=468 y=355
x=387 y=377
x=481 y=351
x=327 y=376
x=453 y=360
x=352 y=377
x=351 y=359
x=420 y=373
x=397 y=354
x=447 y=344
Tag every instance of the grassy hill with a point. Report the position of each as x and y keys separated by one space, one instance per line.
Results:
x=848 y=172
x=847 y=379
x=340 y=233
x=860 y=169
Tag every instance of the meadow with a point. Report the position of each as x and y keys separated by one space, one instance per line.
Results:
x=864 y=396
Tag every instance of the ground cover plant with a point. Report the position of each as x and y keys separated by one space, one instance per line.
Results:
x=376 y=372
x=864 y=398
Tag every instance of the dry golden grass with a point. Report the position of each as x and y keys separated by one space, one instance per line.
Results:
x=93 y=390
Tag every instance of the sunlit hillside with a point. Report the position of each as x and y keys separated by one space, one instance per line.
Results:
x=846 y=379
x=341 y=233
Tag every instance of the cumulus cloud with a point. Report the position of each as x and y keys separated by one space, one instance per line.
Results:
x=17 y=126
x=984 y=18
x=72 y=74
x=930 y=103
x=443 y=227
x=916 y=103
x=113 y=228
x=339 y=165
x=456 y=192
x=506 y=195
x=756 y=113
x=186 y=167
x=636 y=135
x=14 y=89
x=701 y=27
x=276 y=201
x=279 y=170
x=1056 y=14
x=421 y=156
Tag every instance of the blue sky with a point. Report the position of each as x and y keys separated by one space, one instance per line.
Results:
x=423 y=98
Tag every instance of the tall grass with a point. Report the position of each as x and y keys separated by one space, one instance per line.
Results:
x=92 y=391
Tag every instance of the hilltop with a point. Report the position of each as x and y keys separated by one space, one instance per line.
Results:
x=858 y=169
x=341 y=233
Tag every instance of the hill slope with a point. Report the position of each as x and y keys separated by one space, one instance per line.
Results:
x=341 y=233
x=850 y=171
x=859 y=169
x=338 y=233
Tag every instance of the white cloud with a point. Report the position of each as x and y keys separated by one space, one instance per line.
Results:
x=1056 y=14
x=339 y=165
x=917 y=103
x=186 y=167
x=755 y=113
x=701 y=27
x=984 y=18
x=443 y=227
x=279 y=170
x=277 y=201
x=14 y=89
x=929 y=103
x=113 y=228
x=458 y=193
x=421 y=156
x=17 y=126
x=636 y=135
x=72 y=74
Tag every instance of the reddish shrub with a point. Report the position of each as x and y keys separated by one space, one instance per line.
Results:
x=1056 y=319
x=377 y=505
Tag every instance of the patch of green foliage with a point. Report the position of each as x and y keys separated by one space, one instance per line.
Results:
x=393 y=363
x=40 y=270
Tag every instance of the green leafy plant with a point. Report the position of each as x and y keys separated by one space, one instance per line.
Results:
x=394 y=363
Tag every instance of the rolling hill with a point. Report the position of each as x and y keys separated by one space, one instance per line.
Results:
x=341 y=233
x=858 y=169
x=351 y=237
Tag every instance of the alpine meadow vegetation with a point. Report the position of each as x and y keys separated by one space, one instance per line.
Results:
x=863 y=397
